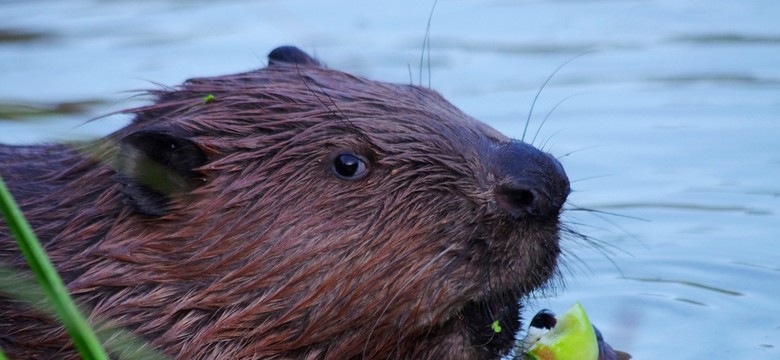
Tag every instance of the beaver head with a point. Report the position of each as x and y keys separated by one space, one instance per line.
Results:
x=301 y=212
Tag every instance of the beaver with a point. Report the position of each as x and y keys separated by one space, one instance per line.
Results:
x=290 y=212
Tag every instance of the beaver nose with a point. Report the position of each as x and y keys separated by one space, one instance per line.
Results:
x=530 y=182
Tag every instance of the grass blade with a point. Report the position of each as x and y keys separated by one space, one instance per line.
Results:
x=83 y=337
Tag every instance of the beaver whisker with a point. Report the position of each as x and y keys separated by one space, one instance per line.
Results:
x=546 y=117
x=539 y=92
x=606 y=249
x=427 y=45
x=355 y=130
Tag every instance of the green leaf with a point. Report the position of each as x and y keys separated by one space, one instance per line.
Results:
x=496 y=327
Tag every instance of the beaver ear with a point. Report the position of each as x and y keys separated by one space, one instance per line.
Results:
x=290 y=55
x=153 y=166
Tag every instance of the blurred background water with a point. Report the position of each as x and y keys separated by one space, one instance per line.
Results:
x=669 y=124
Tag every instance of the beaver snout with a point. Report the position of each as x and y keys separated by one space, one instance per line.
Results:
x=530 y=182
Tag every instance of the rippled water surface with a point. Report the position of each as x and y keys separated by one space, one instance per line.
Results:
x=668 y=124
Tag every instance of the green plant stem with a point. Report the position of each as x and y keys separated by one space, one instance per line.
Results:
x=83 y=337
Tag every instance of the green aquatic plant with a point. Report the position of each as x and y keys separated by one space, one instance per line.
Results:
x=19 y=110
x=76 y=325
x=58 y=302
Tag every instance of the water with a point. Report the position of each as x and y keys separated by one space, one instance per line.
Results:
x=670 y=121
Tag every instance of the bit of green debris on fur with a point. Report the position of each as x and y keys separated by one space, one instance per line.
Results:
x=496 y=327
x=208 y=98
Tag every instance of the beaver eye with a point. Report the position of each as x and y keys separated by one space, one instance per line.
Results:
x=349 y=167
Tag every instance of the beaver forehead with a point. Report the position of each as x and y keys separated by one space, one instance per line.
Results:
x=399 y=103
x=265 y=99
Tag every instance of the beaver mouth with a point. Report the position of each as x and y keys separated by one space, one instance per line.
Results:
x=489 y=324
x=487 y=320
x=493 y=321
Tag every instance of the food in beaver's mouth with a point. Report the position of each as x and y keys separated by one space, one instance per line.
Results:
x=566 y=337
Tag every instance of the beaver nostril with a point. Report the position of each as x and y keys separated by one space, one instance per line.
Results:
x=532 y=183
x=519 y=201
x=522 y=198
x=516 y=199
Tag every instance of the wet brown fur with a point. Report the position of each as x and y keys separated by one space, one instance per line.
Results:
x=271 y=256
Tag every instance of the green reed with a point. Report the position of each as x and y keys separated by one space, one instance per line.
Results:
x=83 y=336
